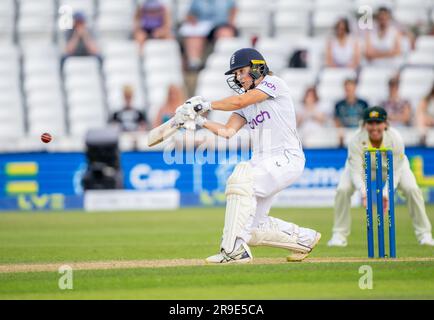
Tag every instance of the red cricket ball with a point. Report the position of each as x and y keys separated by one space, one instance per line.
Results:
x=46 y=137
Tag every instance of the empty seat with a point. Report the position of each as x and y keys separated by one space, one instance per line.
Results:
x=323 y=20
x=411 y=16
x=230 y=45
x=84 y=6
x=36 y=21
x=326 y=137
x=298 y=80
x=114 y=28
x=84 y=91
x=253 y=23
x=430 y=138
x=123 y=8
x=425 y=44
x=7 y=17
x=290 y=22
x=410 y=135
x=418 y=58
x=415 y=83
x=336 y=75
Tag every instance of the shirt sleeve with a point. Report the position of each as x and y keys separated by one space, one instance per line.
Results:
x=240 y=112
x=270 y=86
x=399 y=159
x=356 y=164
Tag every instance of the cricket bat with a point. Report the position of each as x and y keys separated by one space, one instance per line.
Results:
x=166 y=130
x=162 y=132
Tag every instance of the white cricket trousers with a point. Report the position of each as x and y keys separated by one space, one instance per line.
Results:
x=406 y=183
x=271 y=175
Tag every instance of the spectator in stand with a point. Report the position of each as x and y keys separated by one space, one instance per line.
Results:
x=312 y=115
x=398 y=110
x=80 y=41
x=128 y=118
x=206 y=20
x=349 y=111
x=425 y=114
x=175 y=98
x=343 y=48
x=383 y=43
x=152 y=21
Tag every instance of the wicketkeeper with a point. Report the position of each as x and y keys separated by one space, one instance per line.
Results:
x=376 y=133
x=265 y=105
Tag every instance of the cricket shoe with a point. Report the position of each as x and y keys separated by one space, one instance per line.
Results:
x=310 y=243
x=337 y=240
x=427 y=240
x=241 y=255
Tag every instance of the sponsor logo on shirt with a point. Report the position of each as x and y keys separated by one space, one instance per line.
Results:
x=258 y=119
x=269 y=85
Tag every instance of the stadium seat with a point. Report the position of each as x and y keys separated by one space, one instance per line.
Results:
x=81 y=65
x=212 y=85
x=115 y=19
x=7 y=16
x=298 y=80
x=276 y=52
x=336 y=76
x=290 y=22
x=411 y=16
x=373 y=83
x=113 y=27
x=120 y=49
x=84 y=6
x=425 y=43
x=418 y=58
x=217 y=61
x=323 y=20
x=415 y=83
x=125 y=8
x=162 y=66
x=430 y=138
x=373 y=4
x=84 y=90
x=230 y=45
x=410 y=135
x=324 y=138
x=36 y=21
x=247 y=23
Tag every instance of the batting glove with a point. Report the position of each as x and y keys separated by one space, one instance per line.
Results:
x=180 y=118
x=200 y=121
x=199 y=104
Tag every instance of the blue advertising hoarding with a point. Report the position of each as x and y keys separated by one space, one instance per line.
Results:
x=31 y=181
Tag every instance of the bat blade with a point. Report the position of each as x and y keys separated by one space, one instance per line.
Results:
x=162 y=132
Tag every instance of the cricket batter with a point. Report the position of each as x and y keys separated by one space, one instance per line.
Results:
x=265 y=105
x=376 y=133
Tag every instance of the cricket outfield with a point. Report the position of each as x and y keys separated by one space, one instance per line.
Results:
x=159 y=255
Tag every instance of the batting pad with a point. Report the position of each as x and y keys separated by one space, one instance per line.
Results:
x=270 y=235
x=240 y=204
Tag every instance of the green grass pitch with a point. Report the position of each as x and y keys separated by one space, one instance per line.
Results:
x=78 y=237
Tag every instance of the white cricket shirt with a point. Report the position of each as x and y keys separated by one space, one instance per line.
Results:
x=272 y=122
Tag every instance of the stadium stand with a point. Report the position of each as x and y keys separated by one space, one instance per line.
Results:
x=69 y=102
